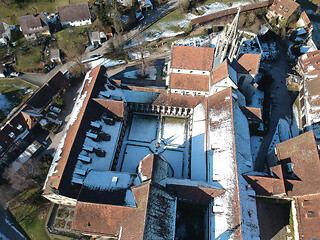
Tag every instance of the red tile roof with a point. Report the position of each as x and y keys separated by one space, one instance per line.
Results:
x=193 y=58
x=220 y=72
x=284 y=8
x=306 y=19
x=136 y=222
x=195 y=194
x=248 y=63
x=101 y=219
x=189 y=82
x=252 y=113
x=302 y=153
x=308 y=216
x=177 y=100
x=53 y=182
x=115 y=107
x=74 y=12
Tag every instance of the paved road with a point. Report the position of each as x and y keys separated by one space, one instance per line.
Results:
x=150 y=18
x=281 y=106
x=6 y=229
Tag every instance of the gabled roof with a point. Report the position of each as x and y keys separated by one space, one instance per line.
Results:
x=177 y=100
x=33 y=23
x=60 y=161
x=100 y=219
x=191 y=82
x=115 y=107
x=297 y=169
x=74 y=12
x=284 y=8
x=309 y=216
x=44 y=95
x=17 y=125
x=153 y=217
x=223 y=71
x=306 y=19
x=248 y=63
x=193 y=58
x=252 y=113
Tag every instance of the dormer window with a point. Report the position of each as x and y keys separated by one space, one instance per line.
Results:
x=19 y=127
x=281 y=6
x=12 y=135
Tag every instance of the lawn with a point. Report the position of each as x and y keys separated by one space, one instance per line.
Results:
x=72 y=37
x=28 y=59
x=10 y=10
x=30 y=211
x=14 y=92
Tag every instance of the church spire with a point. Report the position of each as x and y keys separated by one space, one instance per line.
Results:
x=229 y=42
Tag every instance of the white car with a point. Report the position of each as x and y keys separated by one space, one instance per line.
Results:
x=15 y=74
x=55 y=109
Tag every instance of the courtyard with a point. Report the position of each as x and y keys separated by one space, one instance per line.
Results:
x=153 y=134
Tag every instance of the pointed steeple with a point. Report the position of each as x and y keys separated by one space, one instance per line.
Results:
x=229 y=42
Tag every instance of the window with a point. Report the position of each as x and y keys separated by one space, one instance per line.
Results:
x=302 y=102
x=303 y=120
x=191 y=71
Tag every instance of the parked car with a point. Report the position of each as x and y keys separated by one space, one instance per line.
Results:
x=55 y=109
x=15 y=74
x=95 y=56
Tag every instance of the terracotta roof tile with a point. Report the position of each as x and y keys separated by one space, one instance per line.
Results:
x=302 y=151
x=74 y=12
x=193 y=58
x=306 y=19
x=54 y=181
x=309 y=216
x=248 y=63
x=189 y=82
x=195 y=194
x=220 y=73
x=177 y=100
x=252 y=113
x=115 y=107
x=284 y=8
x=100 y=219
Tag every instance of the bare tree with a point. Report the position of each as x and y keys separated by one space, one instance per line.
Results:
x=184 y=5
x=140 y=49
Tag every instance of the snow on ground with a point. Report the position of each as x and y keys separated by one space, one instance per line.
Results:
x=257 y=99
x=143 y=128
x=175 y=158
x=151 y=73
x=250 y=46
x=193 y=41
x=132 y=157
x=215 y=7
x=174 y=131
x=5 y=104
x=255 y=146
x=106 y=62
